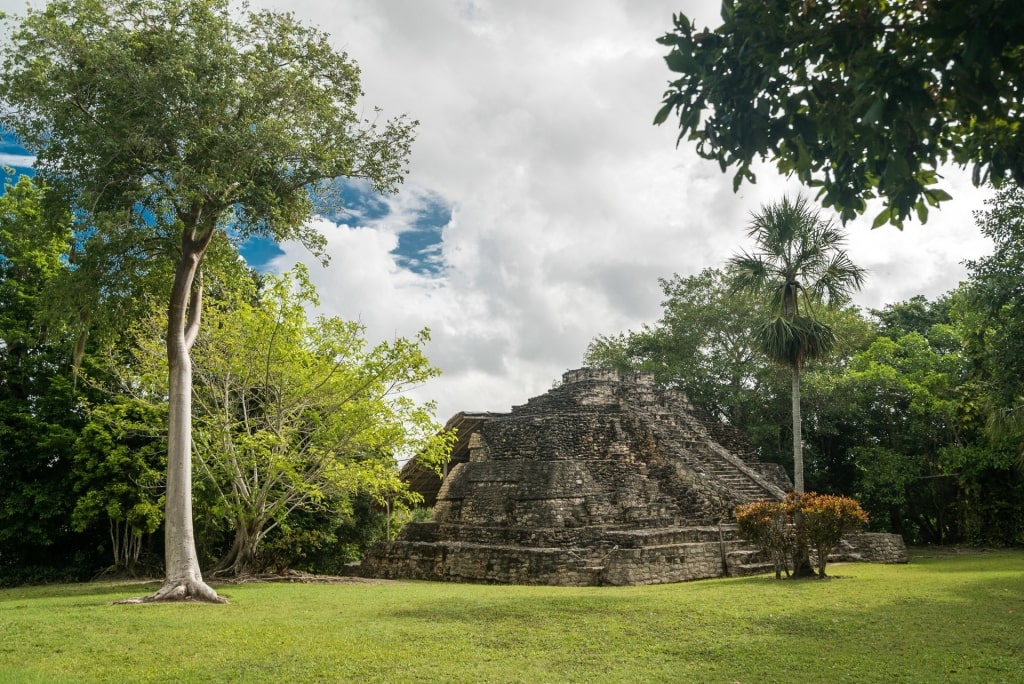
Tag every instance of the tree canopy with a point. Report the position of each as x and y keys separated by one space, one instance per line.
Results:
x=860 y=98
x=39 y=408
x=165 y=123
x=994 y=312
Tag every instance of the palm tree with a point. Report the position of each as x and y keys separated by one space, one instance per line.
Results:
x=799 y=260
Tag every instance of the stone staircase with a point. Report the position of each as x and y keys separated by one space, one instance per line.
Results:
x=675 y=423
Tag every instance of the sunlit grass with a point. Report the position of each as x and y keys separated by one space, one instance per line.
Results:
x=944 y=618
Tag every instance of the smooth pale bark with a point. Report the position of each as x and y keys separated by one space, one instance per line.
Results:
x=801 y=555
x=790 y=310
x=182 y=577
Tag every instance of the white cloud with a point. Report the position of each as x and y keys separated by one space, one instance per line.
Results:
x=17 y=160
x=567 y=203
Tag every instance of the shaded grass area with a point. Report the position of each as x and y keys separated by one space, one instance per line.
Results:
x=943 y=618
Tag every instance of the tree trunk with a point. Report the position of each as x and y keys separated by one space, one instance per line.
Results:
x=182 y=579
x=802 y=555
x=241 y=558
x=798 y=439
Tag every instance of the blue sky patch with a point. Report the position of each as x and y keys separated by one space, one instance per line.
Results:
x=419 y=246
x=419 y=241
x=14 y=156
x=351 y=202
x=258 y=251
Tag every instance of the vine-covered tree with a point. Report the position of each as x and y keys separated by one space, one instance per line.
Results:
x=184 y=119
x=861 y=98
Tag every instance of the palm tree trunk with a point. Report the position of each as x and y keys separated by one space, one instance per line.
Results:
x=798 y=439
x=802 y=556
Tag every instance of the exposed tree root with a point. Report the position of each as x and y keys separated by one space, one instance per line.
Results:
x=174 y=591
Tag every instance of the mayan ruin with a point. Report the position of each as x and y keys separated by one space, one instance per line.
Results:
x=607 y=479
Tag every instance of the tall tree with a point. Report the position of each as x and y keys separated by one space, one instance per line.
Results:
x=294 y=416
x=40 y=407
x=184 y=119
x=798 y=258
x=993 y=317
x=862 y=98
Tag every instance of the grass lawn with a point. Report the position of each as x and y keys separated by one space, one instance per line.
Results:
x=946 y=617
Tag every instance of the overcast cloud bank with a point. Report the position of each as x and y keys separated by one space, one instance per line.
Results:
x=566 y=202
x=560 y=203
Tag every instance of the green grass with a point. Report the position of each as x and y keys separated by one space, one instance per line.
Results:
x=942 y=618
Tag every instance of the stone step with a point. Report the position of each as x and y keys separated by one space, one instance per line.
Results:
x=693 y=449
x=743 y=556
x=748 y=569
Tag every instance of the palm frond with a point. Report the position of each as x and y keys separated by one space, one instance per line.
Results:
x=839 y=279
x=798 y=248
x=792 y=342
x=748 y=272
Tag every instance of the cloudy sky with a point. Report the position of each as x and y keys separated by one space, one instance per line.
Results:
x=542 y=204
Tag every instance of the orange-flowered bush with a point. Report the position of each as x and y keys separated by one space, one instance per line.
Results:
x=768 y=524
x=786 y=528
x=826 y=518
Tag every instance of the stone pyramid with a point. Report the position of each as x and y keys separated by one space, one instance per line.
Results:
x=605 y=479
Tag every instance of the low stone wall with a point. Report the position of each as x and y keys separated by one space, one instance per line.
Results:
x=460 y=562
x=871 y=547
x=664 y=564
x=656 y=557
x=476 y=563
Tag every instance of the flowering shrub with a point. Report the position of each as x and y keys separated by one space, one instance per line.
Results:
x=768 y=524
x=785 y=529
x=826 y=518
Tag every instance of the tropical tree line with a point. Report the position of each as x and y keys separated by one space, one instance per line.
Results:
x=165 y=132
x=298 y=422
x=916 y=411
